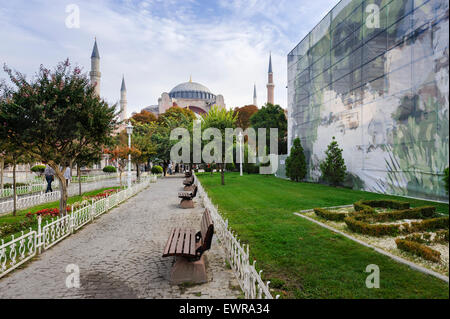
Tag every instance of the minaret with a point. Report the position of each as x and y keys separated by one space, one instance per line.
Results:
x=255 y=102
x=123 y=100
x=270 y=85
x=95 y=69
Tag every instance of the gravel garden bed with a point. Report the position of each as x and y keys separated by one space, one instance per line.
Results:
x=436 y=239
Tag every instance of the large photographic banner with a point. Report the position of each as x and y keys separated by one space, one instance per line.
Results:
x=375 y=74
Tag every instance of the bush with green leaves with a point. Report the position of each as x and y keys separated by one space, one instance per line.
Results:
x=109 y=169
x=39 y=169
x=156 y=169
x=296 y=162
x=333 y=168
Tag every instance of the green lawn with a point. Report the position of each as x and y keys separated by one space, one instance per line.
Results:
x=303 y=259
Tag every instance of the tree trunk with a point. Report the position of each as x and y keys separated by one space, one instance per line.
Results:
x=222 y=173
x=63 y=188
x=138 y=173
x=79 y=179
x=120 y=176
x=14 y=188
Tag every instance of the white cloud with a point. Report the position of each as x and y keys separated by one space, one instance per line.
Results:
x=157 y=44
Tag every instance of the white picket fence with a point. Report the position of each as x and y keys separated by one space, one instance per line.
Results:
x=34 y=187
x=19 y=250
x=237 y=255
x=29 y=201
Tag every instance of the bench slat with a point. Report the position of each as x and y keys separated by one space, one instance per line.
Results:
x=173 y=245
x=169 y=241
x=181 y=239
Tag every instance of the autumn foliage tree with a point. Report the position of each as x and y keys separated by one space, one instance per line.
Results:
x=144 y=117
x=59 y=114
x=244 y=114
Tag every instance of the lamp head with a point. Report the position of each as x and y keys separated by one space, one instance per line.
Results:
x=129 y=128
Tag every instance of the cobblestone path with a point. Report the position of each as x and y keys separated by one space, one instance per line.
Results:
x=120 y=255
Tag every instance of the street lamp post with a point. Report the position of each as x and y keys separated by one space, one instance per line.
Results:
x=240 y=151
x=129 y=132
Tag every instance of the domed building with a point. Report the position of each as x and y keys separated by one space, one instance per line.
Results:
x=192 y=95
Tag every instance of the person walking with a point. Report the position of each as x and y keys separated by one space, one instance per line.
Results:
x=49 y=177
x=170 y=168
x=68 y=175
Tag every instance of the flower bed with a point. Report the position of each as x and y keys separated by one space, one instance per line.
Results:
x=102 y=195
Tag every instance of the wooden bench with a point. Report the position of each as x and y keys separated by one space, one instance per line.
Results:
x=189 y=181
x=187 y=197
x=189 y=246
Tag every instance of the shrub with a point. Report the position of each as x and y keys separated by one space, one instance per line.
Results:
x=109 y=169
x=413 y=213
x=384 y=203
x=10 y=185
x=430 y=224
x=230 y=167
x=418 y=250
x=329 y=215
x=296 y=162
x=156 y=169
x=376 y=230
x=441 y=237
x=39 y=169
x=333 y=168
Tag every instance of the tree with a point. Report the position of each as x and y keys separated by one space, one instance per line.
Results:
x=220 y=119
x=174 y=117
x=87 y=157
x=59 y=113
x=141 y=140
x=296 y=162
x=120 y=156
x=145 y=117
x=333 y=168
x=272 y=116
x=244 y=114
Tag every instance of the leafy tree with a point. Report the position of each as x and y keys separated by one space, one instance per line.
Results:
x=244 y=114
x=145 y=117
x=296 y=162
x=220 y=119
x=87 y=157
x=174 y=117
x=272 y=116
x=59 y=113
x=120 y=156
x=333 y=168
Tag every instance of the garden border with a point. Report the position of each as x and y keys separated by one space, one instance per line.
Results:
x=379 y=250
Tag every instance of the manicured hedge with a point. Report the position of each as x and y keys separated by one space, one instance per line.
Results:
x=430 y=224
x=370 y=204
x=329 y=215
x=109 y=169
x=412 y=213
x=38 y=169
x=156 y=169
x=418 y=250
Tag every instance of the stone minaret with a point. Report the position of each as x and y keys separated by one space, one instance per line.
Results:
x=95 y=69
x=270 y=85
x=255 y=101
x=123 y=101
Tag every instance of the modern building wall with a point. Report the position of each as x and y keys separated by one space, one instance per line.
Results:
x=375 y=74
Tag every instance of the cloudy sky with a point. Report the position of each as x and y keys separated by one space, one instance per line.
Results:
x=157 y=44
